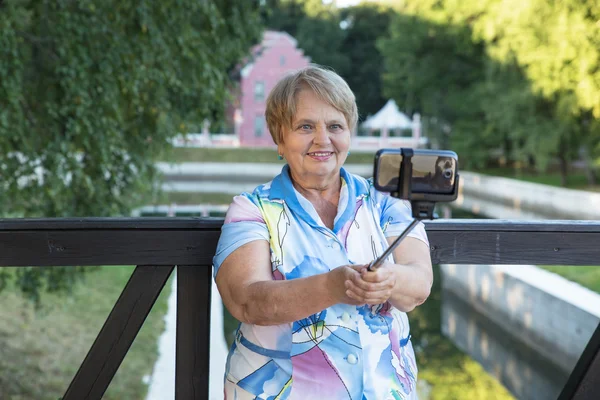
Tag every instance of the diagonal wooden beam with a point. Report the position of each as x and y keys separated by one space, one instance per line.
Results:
x=116 y=336
x=584 y=381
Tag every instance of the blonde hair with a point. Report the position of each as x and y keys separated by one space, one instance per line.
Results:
x=325 y=83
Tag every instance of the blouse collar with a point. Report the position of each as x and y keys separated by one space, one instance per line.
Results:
x=282 y=188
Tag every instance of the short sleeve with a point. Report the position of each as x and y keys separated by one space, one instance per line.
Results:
x=396 y=215
x=243 y=224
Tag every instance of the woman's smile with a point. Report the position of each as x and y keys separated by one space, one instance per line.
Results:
x=320 y=155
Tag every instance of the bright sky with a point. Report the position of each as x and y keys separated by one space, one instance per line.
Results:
x=344 y=3
x=347 y=3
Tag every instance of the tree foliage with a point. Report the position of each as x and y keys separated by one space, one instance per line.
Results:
x=517 y=78
x=343 y=39
x=92 y=91
x=363 y=25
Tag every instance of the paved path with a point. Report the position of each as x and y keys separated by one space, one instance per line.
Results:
x=162 y=382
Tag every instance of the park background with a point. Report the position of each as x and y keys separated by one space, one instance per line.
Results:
x=93 y=94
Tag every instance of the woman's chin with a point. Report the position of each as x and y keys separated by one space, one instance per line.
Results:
x=326 y=170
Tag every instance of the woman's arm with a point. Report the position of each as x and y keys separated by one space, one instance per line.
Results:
x=413 y=273
x=405 y=284
x=249 y=292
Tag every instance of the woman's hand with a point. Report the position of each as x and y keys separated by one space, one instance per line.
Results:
x=338 y=278
x=371 y=287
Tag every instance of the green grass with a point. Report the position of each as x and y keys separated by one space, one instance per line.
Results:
x=195 y=198
x=225 y=155
x=230 y=324
x=588 y=276
x=41 y=350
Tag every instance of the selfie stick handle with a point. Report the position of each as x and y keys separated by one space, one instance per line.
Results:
x=380 y=260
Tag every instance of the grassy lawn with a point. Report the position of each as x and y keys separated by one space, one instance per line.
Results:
x=41 y=350
x=195 y=198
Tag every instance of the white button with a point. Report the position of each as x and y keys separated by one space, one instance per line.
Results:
x=352 y=359
x=345 y=317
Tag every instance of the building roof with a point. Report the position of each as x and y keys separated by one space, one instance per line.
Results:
x=389 y=117
x=269 y=39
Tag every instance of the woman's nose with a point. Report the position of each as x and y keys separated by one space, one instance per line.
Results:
x=321 y=135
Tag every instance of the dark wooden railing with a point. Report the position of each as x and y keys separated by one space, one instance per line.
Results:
x=157 y=245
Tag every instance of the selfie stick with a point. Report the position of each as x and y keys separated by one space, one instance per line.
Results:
x=377 y=263
x=420 y=209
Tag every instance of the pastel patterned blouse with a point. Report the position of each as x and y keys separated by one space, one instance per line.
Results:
x=344 y=351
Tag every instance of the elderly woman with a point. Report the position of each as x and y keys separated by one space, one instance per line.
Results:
x=291 y=263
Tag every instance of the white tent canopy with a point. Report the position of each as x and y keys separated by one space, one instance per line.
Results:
x=389 y=117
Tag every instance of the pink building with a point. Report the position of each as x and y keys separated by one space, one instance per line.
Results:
x=276 y=55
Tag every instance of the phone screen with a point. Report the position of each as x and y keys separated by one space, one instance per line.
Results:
x=433 y=171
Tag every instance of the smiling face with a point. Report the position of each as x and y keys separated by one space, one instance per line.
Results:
x=317 y=144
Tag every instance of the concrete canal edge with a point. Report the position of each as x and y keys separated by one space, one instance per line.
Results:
x=525 y=200
x=547 y=314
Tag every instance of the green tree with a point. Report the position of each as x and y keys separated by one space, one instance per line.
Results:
x=435 y=69
x=320 y=36
x=555 y=45
x=364 y=25
x=531 y=83
x=90 y=94
x=343 y=39
x=284 y=15
x=316 y=27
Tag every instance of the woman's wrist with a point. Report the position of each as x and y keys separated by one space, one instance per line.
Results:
x=331 y=286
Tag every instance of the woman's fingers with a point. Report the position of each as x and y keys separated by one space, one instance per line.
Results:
x=367 y=300
x=371 y=286
x=368 y=292
x=363 y=287
x=379 y=275
x=367 y=296
x=375 y=280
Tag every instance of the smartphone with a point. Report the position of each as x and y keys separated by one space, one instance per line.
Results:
x=434 y=174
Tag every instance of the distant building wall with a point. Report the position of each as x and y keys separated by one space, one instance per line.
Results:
x=279 y=55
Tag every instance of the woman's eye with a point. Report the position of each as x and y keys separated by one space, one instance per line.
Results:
x=335 y=127
x=305 y=127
